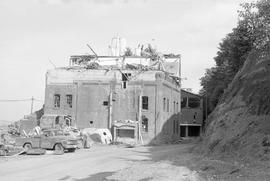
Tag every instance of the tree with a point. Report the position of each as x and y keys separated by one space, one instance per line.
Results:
x=128 y=52
x=232 y=53
x=257 y=17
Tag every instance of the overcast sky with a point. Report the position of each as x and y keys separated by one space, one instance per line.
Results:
x=32 y=32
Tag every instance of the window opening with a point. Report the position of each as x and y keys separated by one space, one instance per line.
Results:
x=124 y=85
x=125 y=78
x=68 y=120
x=193 y=102
x=56 y=120
x=145 y=102
x=164 y=104
x=144 y=123
x=183 y=102
x=57 y=100
x=194 y=117
x=69 y=100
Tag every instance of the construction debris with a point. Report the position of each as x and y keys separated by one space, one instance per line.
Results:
x=91 y=135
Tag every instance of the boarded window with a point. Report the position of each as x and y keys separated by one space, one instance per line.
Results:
x=184 y=102
x=144 y=123
x=193 y=102
x=145 y=102
x=57 y=100
x=69 y=100
x=174 y=108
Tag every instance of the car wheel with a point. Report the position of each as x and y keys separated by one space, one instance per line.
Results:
x=27 y=146
x=59 y=148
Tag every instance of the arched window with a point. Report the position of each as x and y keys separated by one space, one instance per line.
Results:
x=56 y=120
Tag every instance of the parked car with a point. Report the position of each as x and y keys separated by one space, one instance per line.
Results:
x=51 y=139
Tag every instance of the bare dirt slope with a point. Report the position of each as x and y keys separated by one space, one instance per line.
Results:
x=239 y=127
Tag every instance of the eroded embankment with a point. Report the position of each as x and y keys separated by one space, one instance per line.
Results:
x=240 y=124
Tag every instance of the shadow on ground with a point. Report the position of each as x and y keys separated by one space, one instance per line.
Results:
x=102 y=176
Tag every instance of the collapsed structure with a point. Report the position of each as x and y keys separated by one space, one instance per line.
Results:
x=104 y=91
x=97 y=91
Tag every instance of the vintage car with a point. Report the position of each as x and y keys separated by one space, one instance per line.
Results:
x=50 y=139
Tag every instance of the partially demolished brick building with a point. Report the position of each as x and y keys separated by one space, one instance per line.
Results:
x=97 y=91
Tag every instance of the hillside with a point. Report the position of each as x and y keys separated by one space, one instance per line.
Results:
x=240 y=124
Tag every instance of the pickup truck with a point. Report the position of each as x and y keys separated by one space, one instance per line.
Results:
x=51 y=139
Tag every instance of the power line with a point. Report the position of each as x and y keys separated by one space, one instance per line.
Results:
x=32 y=99
x=38 y=100
x=20 y=100
x=14 y=100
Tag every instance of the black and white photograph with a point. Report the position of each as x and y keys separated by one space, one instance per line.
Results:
x=135 y=90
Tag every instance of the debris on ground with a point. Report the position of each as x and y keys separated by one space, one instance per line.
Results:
x=7 y=146
x=91 y=135
x=163 y=170
x=53 y=152
x=37 y=151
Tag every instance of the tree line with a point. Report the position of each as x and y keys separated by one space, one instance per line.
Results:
x=252 y=33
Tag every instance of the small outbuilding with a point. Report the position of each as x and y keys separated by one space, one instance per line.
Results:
x=191 y=114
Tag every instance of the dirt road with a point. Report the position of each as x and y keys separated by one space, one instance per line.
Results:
x=100 y=163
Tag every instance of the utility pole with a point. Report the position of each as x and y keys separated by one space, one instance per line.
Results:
x=32 y=104
x=110 y=109
x=140 y=117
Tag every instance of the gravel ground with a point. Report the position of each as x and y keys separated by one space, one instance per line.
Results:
x=111 y=163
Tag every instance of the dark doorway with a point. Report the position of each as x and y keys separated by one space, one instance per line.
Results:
x=182 y=131
x=194 y=131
